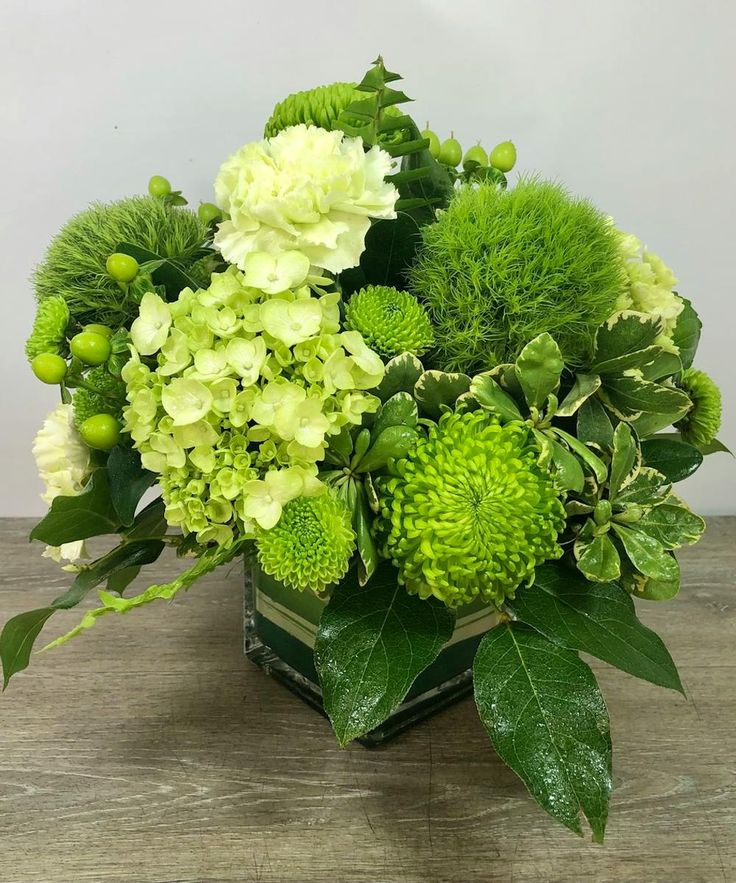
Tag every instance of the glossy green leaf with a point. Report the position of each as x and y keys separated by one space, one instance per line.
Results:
x=598 y=559
x=675 y=459
x=390 y=247
x=583 y=453
x=646 y=488
x=128 y=481
x=664 y=365
x=486 y=391
x=715 y=447
x=672 y=525
x=594 y=424
x=583 y=388
x=372 y=642
x=399 y=410
x=150 y=522
x=629 y=396
x=569 y=471
x=686 y=335
x=89 y=514
x=595 y=618
x=393 y=443
x=17 y=639
x=647 y=555
x=436 y=388
x=624 y=459
x=625 y=341
x=401 y=374
x=538 y=369
x=658 y=590
x=547 y=720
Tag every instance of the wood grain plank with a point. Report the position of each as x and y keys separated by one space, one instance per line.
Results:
x=150 y=750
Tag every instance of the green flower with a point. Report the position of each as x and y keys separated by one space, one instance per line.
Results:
x=470 y=512
x=49 y=328
x=311 y=546
x=499 y=267
x=391 y=321
x=701 y=424
x=106 y=396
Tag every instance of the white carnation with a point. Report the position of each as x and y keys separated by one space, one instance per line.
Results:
x=306 y=189
x=63 y=465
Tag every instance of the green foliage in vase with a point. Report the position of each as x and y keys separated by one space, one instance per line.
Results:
x=75 y=263
x=49 y=328
x=103 y=393
x=469 y=511
x=701 y=424
x=502 y=266
x=311 y=545
x=391 y=321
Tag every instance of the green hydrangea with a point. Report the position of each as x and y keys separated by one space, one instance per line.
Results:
x=701 y=424
x=499 y=267
x=105 y=396
x=74 y=267
x=391 y=321
x=49 y=328
x=311 y=546
x=233 y=392
x=470 y=512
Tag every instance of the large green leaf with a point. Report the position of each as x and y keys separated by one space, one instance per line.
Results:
x=372 y=643
x=647 y=554
x=128 y=481
x=623 y=460
x=486 y=391
x=538 y=369
x=596 y=618
x=687 y=334
x=437 y=388
x=401 y=373
x=583 y=388
x=625 y=341
x=594 y=424
x=675 y=459
x=629 y=397
x=547 y=720
x=17 y=638
x=393 y=443
x=390 y=247
x=399 y=410
x=598 y=559
x=89 y=514
x=672 y=525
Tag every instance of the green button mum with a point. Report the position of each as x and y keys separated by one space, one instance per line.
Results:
x=49 y=328
x=700 y=426
x=470 y=512
x=311 y=545
x=391 y=321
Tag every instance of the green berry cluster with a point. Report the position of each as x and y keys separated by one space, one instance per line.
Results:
x=450 y=153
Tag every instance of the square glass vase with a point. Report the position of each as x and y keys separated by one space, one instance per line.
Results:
x=280 y=628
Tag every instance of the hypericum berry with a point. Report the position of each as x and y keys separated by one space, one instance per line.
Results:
x=434 y=141
x=90 y=348
x=474 y=157
x=450 y=152
x=104 y=330
x=208 y=212
x=159 y=187
x=503 y=156
x=122 y=267
x=49 y=368
x=101 y=431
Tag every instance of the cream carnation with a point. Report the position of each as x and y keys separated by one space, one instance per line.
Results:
x=306 y=189
x=63 y=465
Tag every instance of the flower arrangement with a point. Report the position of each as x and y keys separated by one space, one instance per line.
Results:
x=389 y=376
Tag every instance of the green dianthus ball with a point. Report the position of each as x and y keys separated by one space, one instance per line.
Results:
x=500 y=267
x=311 y=545
x=701 y=424
x=75 y=264
x=108 y=396
x=470 y=512
x=390 y=321
x=49 y=328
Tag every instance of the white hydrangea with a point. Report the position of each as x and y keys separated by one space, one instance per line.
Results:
x=307 y=190
x=63 y=462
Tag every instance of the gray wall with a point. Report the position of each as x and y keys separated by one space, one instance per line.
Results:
x=627 y=101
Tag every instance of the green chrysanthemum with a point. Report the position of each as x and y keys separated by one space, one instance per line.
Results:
x=311 y=545
x=501 y=266
x=701 y=424
x=390 y=321
x=106 y=396
x=470 y=512
x=74 y=267
x=49 y=328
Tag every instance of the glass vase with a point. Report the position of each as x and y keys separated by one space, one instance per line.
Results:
x=280 y=627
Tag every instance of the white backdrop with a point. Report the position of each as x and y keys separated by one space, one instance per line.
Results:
x=629 y=102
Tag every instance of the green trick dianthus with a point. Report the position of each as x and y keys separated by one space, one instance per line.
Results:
x=106 y=395
x=499 y=267
x=469 y=511
x=75 y=264
x=49 y=328
x=391 y=321
x=311 y=545
x=701 y=424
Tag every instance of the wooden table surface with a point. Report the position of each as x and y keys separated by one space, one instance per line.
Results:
x=150 y=750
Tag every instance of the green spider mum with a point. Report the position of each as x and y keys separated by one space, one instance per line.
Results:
x=105 y=396
x=470 y=512
x=311 y=545
x=701 y=424
x=499 y=267
x=49 y=328
x=390 y=321
x=74 y=267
